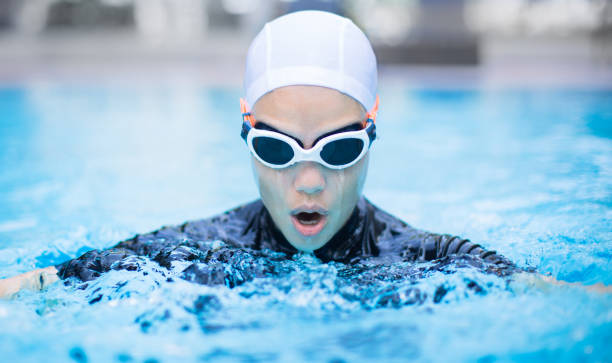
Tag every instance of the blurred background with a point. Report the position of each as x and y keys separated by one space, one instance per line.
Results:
x=508 y=42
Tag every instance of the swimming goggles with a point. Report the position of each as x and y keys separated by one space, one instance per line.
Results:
x=336 y=151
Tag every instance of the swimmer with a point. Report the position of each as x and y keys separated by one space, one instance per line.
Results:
x=311 y=79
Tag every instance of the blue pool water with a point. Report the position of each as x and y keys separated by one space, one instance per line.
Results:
x=525 y=172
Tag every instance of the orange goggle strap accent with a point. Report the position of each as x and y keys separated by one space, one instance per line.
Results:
x=246 y=114
x=371 y=115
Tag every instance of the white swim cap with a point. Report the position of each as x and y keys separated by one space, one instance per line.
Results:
x=311 y=48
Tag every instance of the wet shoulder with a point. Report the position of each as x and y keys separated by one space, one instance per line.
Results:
x=230 y=227
x=398 y=240
x=395 y=238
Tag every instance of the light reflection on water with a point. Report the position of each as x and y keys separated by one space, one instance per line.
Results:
x=527 y=173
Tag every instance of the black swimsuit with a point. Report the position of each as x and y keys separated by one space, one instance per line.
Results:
x=248 y=232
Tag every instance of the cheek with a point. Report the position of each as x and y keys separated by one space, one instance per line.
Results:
x=271 y=183
x=361 y=172
x=348 y=185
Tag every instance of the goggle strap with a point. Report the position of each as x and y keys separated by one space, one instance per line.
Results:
x=246 y=114
x=371 y=115
x=245 y=131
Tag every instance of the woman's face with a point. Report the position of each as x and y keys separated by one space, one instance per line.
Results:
x=308 y=202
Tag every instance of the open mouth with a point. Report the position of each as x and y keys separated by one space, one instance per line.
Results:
x=308 y=218
x=309 y=222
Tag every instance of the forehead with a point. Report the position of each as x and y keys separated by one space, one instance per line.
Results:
x=307 y=112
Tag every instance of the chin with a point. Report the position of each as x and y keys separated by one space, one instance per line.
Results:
x=306 y=243
x=309 y=244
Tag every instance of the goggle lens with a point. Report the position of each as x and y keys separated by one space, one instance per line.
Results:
x=273 y=151
x=342 y=152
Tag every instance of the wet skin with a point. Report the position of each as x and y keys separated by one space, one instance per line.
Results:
x=308 y=202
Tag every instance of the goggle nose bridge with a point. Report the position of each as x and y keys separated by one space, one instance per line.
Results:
x=307 y=155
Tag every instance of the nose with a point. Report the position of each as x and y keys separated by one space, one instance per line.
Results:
x=309 y=178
